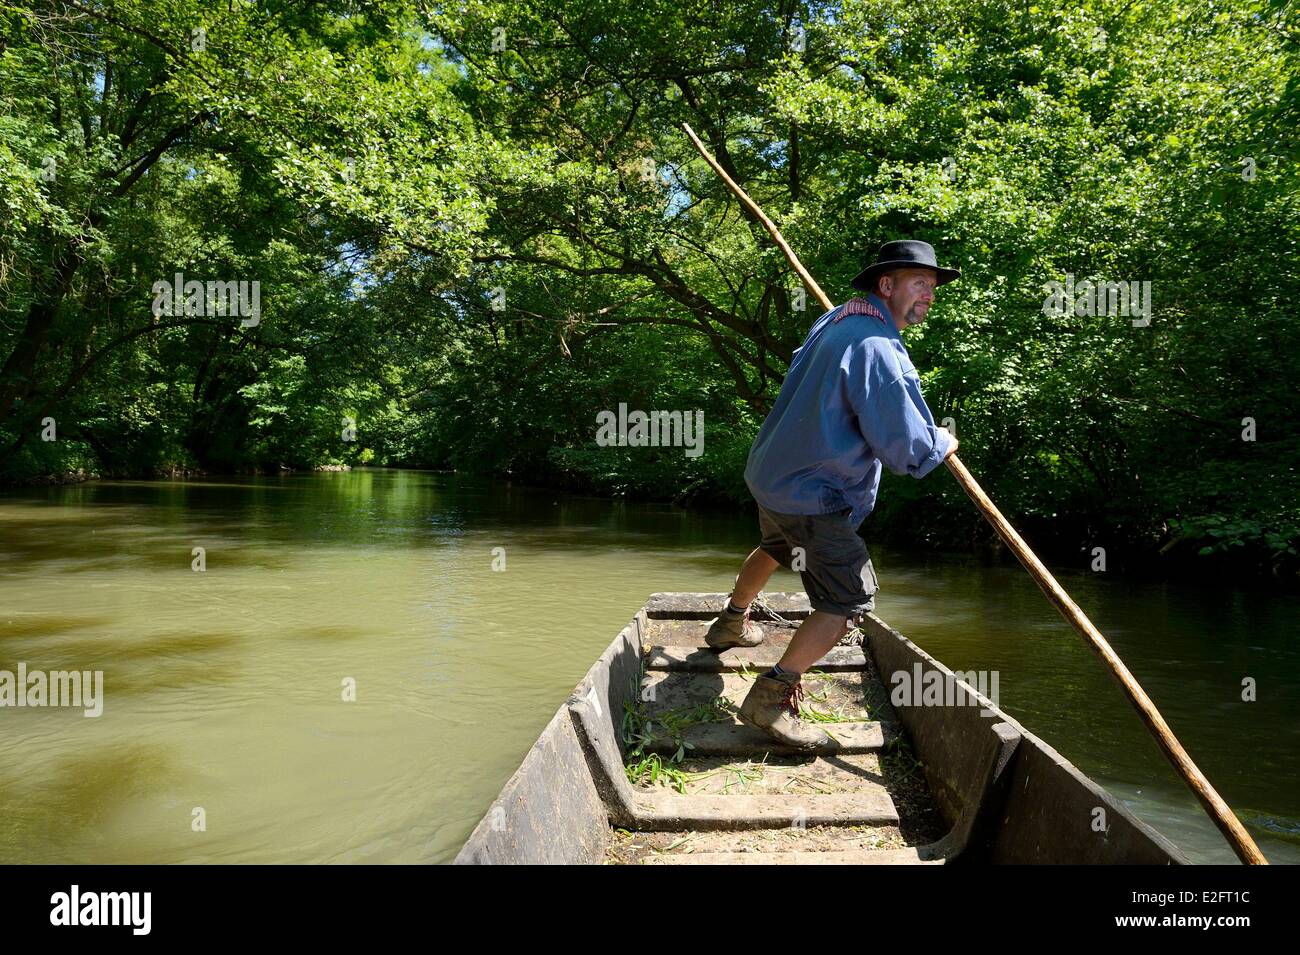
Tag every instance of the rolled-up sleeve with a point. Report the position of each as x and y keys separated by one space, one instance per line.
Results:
x=898 y=426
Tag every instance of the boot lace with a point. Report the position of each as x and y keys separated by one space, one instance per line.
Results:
x=793 y=698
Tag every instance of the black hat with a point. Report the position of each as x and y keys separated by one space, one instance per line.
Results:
x=902 y=254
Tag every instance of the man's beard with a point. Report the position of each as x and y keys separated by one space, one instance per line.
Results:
x=913 y=317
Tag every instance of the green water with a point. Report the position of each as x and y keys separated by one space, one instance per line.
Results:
x=224 y=689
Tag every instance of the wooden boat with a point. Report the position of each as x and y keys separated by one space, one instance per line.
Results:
x=909 y=778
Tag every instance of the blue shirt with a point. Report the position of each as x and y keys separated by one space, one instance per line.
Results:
x=850 y=402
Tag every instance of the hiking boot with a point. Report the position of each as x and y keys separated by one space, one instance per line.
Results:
x=729 y=629
x=772 y=705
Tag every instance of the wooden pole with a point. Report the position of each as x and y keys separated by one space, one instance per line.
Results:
x=1218 y=810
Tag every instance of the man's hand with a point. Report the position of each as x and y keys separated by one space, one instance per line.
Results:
x=954 y=446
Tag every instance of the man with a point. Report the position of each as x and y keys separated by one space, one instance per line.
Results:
x=850 y=403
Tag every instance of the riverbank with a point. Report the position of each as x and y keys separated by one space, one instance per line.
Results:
x=156 y=474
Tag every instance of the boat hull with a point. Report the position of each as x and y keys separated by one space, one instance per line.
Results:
x=1006 y=796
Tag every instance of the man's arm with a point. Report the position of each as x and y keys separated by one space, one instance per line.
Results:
x=898 y=426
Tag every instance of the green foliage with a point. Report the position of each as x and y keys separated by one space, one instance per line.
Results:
x=478 y=225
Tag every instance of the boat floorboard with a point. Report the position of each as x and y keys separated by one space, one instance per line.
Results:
x=733 y=795
x=760 y=658
x=669 y=632
x=909 y=856
x=815 y=844
x=739 y=739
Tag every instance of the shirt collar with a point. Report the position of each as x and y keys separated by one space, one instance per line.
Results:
x=884 y=310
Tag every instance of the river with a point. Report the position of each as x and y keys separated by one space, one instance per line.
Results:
x=365 y=657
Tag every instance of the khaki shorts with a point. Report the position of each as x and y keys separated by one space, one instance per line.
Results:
x=827 y=553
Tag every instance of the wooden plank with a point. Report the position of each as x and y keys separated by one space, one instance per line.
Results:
x=870 y=806
x=739 y=739
x=909 y=856
x=703 y=606
x=762 y=658
x=671 y=632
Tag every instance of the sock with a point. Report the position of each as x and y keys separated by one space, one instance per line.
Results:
x=733 y=609
x=776 y=671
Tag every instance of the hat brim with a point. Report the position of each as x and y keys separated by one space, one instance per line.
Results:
x=865 y=280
